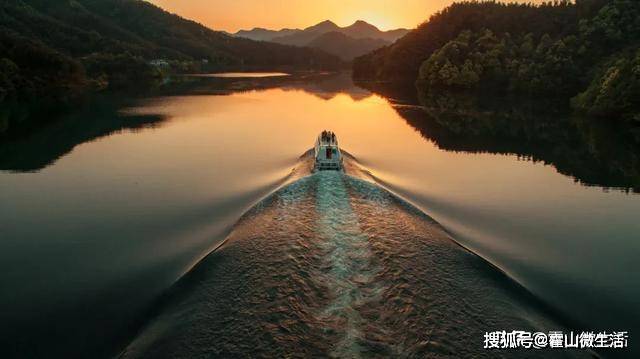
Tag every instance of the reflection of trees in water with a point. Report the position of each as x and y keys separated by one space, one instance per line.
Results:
x=328 y=87
x=34 y=135
x=593 y=152
x=35 y=140
x=323 y=85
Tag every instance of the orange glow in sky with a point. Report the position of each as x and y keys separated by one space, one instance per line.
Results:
x=233 y=15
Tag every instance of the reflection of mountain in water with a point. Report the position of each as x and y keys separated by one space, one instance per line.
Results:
x=40 y=142
x=323 y=85
x=328 y=87
x=592 y=152
x=34 y=138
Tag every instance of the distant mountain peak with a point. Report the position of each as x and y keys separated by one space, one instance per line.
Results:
x=345 y=46
x=324 y=26
x=262 y=34
x=361 y=25
x=360 y=29
x=327 y=22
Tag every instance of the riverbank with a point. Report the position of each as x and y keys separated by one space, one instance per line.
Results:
x=21 y=117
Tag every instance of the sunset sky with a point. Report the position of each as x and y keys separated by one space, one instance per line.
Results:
x=275 y=14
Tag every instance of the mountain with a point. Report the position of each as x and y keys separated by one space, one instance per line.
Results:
x=47 y=46
x=304 y=37
x=401 y=61
x=346 y=42
x=362 y=30
x=322 y=27
x=346 y=47
x=584 y=52
x=262 y=34
x=393 y=35
x=358 y=30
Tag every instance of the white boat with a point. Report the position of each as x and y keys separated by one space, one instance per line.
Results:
x=327 y=153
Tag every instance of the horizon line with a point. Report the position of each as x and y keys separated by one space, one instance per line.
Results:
x=302 y=28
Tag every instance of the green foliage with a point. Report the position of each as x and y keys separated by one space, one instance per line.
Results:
x=402 y=60
x=119 y=68
x=615 y=26
x=552 y=50
x=615 y=91
x=502 y=63
x=30 y=69
x=115 y=40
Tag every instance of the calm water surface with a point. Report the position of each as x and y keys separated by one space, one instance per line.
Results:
x=242 y=74
x=105 y=209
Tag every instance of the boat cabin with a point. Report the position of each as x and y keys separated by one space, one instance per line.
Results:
x=327 y=153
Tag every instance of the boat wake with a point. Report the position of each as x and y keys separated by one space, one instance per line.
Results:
x=334 y=265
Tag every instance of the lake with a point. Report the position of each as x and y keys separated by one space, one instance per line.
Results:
x=241 y=74
x=106 y=208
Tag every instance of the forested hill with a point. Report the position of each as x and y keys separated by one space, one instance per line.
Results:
x=402 y=60
x=587 y=50
x=50 y=45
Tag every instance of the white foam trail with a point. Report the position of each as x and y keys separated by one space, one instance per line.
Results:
x=348 y=273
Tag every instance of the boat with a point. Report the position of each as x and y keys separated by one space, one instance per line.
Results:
x=327 y=153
